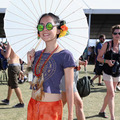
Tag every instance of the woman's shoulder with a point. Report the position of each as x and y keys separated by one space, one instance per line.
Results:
x=38 y=52
x=63 y=54
x=108 y=44
x=65 y=51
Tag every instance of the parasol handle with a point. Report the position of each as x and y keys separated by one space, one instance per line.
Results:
x=38 y=44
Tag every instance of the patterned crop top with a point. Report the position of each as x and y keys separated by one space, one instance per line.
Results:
x=54 y=69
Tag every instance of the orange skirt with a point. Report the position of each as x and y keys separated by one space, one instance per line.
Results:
x=38 y=110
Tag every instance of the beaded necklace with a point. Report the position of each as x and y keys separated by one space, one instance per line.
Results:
x=36 y=66
x=39 y=84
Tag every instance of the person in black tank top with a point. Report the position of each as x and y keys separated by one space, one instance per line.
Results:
x=111 y=73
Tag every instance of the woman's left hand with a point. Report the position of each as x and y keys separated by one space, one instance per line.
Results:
x=110 y=62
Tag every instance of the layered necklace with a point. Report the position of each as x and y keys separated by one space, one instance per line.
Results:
x=38 y=62
x=36 y=83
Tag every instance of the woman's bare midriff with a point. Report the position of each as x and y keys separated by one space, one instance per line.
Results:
x=48 y=97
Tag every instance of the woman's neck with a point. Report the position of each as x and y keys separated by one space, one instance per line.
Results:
x=116 y=42
x=49 y=48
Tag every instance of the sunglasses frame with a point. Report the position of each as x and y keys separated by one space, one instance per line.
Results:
x=115 y=33
x=49 y=23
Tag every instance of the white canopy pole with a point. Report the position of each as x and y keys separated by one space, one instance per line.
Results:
x=89 y=31
x=89 y=28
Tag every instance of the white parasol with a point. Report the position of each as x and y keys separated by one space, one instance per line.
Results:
x=21 y=20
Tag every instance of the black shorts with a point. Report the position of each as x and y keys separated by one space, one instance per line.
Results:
x=13 y=72
x=98 y=68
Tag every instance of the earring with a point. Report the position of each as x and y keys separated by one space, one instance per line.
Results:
x=38 y=36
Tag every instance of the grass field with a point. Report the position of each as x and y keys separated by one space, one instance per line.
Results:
x=92 y=103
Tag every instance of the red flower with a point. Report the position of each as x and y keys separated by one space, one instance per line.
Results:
x=64 y=27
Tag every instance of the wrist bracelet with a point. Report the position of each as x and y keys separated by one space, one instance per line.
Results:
x=104 y=60
x=29 y=69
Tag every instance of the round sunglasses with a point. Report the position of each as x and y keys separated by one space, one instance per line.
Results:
x=49 y=26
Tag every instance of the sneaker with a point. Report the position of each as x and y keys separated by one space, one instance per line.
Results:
x=91 y=82
x=118 y=88
x=25 y=78
x=100 y=84
x=19 y=105
x=103 y=114
x=21 y=81
x=5 y=101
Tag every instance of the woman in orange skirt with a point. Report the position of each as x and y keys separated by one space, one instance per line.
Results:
x=48 y=66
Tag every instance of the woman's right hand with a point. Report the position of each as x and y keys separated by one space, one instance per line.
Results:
x=30 y=56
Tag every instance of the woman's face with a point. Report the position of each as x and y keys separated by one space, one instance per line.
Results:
x=48 y=35
x=116 y=34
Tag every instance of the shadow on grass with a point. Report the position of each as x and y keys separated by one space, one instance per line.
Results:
x=2 y=104
x=3 y=83
x=88 y=72
x=89 y=117
x=7 y=108
x=93 y=90
x=93 y=116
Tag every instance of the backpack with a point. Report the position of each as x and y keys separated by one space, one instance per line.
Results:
x=3 y=62
x=83 y=86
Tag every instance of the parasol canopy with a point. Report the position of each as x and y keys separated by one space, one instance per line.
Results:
x=21 y=20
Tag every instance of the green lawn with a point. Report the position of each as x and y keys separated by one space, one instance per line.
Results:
x=92 y=103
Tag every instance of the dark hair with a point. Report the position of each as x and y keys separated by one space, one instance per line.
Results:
x=101 y=36
x=114 y=28
x=55 y=18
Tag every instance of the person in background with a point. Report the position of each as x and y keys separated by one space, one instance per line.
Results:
x=118 y=86
x=13 y=72
x=21 y=78
x=111 y=74
x=21 y=64
x=49 y=65
x=98 y=74
x=77 y=99
x=89 y=53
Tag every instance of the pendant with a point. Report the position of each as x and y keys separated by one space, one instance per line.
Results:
x=35 y=80
x=39 y=93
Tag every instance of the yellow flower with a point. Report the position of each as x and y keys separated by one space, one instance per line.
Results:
x=62 y=33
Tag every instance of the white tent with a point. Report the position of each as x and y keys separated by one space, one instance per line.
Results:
x=100 y=7
x=89 y=6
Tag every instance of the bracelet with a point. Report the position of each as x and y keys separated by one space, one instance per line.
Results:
x=104 y=60
x=29 y=69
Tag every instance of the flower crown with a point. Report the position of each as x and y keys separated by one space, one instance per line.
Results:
x=63 y=29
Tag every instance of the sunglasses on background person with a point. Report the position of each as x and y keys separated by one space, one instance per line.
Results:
x=116 y=33
x=49 y=26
